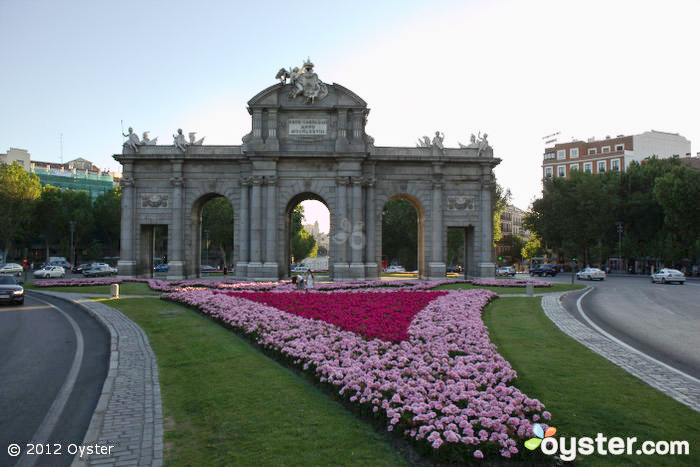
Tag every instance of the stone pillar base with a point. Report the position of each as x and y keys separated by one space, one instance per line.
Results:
x=487 y=270
x=176 y=270
x=126 y=268
x=341 y=272
x=270 y=271
x=436 y=271
x=241 y=271
x=357 y=271
x=372 y=272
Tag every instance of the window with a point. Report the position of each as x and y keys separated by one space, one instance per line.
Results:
x=561 y=170
x=561 y=154
x=548 y=156
x=573 y=167
x=548 y=171
x=619 y=147
x=592 y=151
x=615 y=165
x=605 y=149
x=573 y=153
x=601 y=166
x=588 y=167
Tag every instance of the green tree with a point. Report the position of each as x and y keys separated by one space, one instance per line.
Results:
x=107 y=210
x=532 y=248
x=18 y=192
x=302 y=242
x=217 y=216
x=513 y=247
x=400 y=232
x=501 y=198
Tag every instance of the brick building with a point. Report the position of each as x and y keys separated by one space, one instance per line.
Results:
x=611 y=154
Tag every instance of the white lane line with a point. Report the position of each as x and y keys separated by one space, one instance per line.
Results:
x=41 y=436
x=625 y=345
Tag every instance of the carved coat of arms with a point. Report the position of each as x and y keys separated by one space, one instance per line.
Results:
x=304 y=82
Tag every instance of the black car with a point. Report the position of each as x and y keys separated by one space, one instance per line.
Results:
x=11 y=291
x=543 y=270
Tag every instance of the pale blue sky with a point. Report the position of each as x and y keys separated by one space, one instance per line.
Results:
x=518 y=70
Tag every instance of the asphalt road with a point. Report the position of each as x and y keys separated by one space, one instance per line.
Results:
x=660 y=320
x=52 y=369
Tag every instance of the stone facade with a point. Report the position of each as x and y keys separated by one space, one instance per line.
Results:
x=300 y=148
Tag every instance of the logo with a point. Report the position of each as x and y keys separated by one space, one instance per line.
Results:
x=534 y=443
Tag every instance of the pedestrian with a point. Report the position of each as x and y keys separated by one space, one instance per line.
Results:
x=225 y=270
x=309 y=280
x=299 y=281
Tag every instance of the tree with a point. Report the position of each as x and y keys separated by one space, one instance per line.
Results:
x=107 y=210
x=217 y=216
x=302 y=242
x=501 y=199
x=533 y=248
x=18 y=192
x=400 y=232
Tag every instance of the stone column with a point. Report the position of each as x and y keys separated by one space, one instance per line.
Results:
x=270 y=265
x=371 y=266
x=176 y=244
x=436 y=268
x=255 y=265
x=257 y=125
x=244 y=231
x=343 y=230
x=357 y=237
x=127 y=255
x=487 y=269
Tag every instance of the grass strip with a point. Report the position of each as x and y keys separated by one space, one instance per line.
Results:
x=125 y=288
x=513 y=290
x=225 y=403
x=585 y=393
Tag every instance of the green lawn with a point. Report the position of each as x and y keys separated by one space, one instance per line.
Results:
x=514 y=290
x=585 y=393
x=225 y=403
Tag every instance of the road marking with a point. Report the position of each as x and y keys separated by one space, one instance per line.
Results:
x=624 y=344
x=41 y=436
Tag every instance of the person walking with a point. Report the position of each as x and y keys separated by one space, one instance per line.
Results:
x=309 y=280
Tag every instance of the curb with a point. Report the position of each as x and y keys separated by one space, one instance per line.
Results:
x=128 y=414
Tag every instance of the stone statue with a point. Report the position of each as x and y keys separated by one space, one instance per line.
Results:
x=179 y=140
x=146 y=141
x=424 y=142
x=438 y=139
x=483 y=144
x=133 y=141
x=303 y=82
x=195 y=142
x=472 y=143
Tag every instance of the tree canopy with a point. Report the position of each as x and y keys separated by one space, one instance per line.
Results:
x=18 y=192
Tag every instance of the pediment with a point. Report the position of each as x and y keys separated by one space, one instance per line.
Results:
x=280 y=96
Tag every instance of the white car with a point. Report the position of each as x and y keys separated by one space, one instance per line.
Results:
x=668 y=275
x=299 y=269
x=11 y=268
x=591 y=274
x=391 y=269
x=506 y=271
x=50 y=272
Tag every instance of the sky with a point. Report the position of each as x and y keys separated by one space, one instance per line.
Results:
x=73 y=74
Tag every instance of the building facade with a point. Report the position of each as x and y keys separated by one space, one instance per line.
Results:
x=611 y=154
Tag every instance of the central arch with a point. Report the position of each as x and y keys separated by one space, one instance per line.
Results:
x=291 y=205
x=198 y=235
x=420 y=227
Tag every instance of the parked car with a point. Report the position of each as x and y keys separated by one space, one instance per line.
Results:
x=47 y=272
x=591 y=274
x=506 y=271
x=10 y=291
x=101 y=270
x=162 y=267
x=299 y=269
x=207 y=268
x=11 y=268
x=664 y=275
x=63 y=263
x=394 y=268
x=543 y=270
x=78 y=269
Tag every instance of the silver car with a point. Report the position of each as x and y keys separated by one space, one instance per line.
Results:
x=11 y=268
x=665 y=275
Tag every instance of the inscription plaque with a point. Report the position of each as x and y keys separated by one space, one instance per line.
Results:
x=307 y=127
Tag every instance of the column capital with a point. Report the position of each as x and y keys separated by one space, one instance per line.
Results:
x=271 y=180
x=256 y=180
x=177 y=181
x=438 y=184
x=369 y=181
x=356 y=180
x=342 y=181
x=126 y=182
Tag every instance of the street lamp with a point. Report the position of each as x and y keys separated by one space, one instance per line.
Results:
x=619 y=242
x=72 y=249
x=206 y=234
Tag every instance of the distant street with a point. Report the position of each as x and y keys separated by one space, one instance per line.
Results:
x=52 y=375
x=660 y=320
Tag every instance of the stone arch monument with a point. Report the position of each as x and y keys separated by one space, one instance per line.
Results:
x=307 y=141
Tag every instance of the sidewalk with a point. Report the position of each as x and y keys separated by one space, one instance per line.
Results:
x=129 y=414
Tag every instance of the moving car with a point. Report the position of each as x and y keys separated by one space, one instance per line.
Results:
x=100 y=270
x=543 y=270
x=10 y=291
x=11 y=268
x=664 y=275
x=207 y=268
x=506 y=271
x=47 y=272
x=392 y=269
x=591 y=274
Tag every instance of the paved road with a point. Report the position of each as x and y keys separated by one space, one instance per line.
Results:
x=661 y=320
x=52 y=368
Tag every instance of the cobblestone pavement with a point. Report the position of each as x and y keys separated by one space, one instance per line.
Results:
x=683 y=388
x=129 y=414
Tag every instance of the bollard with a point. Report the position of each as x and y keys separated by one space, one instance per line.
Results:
x=115 y=290
x=530 y=288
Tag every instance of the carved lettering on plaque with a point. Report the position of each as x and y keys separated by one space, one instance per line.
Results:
x=307 y=126
x=460 y=203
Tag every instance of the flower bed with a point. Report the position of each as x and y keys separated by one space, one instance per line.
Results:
x=444 y=385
